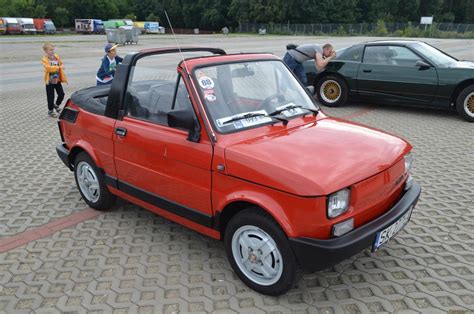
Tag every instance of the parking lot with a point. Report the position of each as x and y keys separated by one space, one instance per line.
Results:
x=58 y=255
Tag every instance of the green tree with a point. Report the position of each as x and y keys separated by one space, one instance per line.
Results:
x=61 y=15
x=130 y=16
x=40 y=11
x=152 y=18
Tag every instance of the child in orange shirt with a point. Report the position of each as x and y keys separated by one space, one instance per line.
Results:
x=53 y=77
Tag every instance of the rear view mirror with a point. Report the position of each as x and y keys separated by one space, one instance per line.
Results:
x=422 y=64
x=184 y=119
x=242 y=72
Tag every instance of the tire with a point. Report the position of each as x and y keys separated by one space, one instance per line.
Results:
x=332 y=91
x=465 y=103
x=248 y=234
x=91 y=184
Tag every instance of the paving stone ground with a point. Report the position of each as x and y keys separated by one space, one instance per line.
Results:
x=129 y=260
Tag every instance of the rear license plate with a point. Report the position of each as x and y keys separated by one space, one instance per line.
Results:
x=386 y=234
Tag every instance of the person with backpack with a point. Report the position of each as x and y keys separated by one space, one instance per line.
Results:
x=296 y=55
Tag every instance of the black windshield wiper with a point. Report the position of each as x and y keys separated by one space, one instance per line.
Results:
x=245 y=116
x=252 y=115
x=292 y=106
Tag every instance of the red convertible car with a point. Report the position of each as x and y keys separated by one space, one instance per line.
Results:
x=232 y=146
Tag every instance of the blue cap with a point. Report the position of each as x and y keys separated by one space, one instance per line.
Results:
x=109 y=47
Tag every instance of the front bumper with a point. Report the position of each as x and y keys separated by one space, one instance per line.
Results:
x=314 y=254
x=63 y=154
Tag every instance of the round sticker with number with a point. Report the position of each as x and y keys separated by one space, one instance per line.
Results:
x=206 y=82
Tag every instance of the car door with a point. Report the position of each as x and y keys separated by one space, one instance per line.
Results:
x=391 y=73
x=157 y=163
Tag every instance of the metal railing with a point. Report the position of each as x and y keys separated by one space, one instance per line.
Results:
x=352 y=29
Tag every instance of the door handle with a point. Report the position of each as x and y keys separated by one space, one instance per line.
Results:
x=367 y=70
x=121 y=131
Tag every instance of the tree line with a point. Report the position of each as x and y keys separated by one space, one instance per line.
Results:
x=215 y=14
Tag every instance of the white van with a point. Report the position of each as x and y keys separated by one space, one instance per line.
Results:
x=27 y=25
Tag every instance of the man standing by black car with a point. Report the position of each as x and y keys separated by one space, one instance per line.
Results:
x=296 y=55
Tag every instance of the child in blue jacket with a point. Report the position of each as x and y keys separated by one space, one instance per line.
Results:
x=106 y=72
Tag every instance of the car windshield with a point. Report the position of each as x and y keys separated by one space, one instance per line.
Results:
x=244 y=95
x=434 y=55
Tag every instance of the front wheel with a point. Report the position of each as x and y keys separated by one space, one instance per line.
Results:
x=259 y=252
x=91 y=183
x=332 y=91
x=465 y=103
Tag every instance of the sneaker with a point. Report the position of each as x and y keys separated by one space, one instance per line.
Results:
x=52 y=114
x=57 y=108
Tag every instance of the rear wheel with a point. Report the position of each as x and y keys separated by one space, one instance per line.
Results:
x=465 y=103
x=259 y=252
x=91 y=183
x=332 y=91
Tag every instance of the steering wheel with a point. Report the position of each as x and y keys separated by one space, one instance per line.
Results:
x=266 y=102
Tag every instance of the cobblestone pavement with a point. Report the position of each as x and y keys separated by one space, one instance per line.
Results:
x=130 y=260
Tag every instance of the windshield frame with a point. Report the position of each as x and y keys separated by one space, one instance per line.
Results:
x=415 y=46
x=211 y=119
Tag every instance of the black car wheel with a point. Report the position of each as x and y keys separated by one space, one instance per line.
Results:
x=91 y=184
x=259 y=252
x=332 y=91
x=465 y=103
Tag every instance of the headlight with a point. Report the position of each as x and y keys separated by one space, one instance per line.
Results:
x=338 y=202
x=408 y=161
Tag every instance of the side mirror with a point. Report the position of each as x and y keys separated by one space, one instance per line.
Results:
x=310 y=89
x=422 y=65
x=185 y=119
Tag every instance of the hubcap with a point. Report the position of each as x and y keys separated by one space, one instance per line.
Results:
x=330 y=91
x=88 y=182
x=257 y=255
x=469 y=104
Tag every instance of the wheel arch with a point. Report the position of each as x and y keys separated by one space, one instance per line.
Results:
x=235 y=207
x=462 y=85
x=326 y=74
x=82 y=147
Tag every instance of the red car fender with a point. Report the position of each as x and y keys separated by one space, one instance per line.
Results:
x=259 y=199
x=85 y=146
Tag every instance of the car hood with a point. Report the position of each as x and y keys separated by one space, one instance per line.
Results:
x=315 y=159
x=462 y=65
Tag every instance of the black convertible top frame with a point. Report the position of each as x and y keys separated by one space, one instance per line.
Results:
x=119 y=84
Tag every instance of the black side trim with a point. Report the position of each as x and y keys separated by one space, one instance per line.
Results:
x=109 y=180
x=177 y=209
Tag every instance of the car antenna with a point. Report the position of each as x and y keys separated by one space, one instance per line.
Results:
x=177 y=43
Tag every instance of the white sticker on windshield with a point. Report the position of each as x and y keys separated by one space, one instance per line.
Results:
x=252 y=118
x=292 y=110
x=211 y=97
x=206 y=82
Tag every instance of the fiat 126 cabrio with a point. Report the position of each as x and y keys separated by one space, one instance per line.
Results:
x=234 y=147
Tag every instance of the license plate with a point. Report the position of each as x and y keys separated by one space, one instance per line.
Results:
x=386 y=234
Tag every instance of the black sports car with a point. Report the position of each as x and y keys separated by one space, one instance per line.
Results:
x=398 y=71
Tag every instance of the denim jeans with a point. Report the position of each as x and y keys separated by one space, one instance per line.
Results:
x=296 y=67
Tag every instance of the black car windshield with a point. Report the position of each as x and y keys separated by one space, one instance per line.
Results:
x=434 y=55
x=244 y=95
